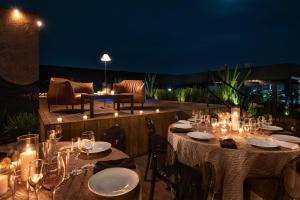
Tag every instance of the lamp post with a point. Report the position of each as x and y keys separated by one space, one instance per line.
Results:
x=105 y=58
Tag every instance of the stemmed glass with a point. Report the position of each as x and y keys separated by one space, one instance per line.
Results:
x=58 y=132
x=206 y=119
x=87 y=141
x=37 y=174
x=76 y=150
x=55 y=175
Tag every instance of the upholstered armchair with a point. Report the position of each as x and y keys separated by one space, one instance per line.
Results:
x=135 y=87
x=65 y=92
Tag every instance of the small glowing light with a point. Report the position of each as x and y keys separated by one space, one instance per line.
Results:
x=39 y=23
x=116 y=114
x=170 y=89
x=84 y=117
x=241 y=130
x=112 y=92
x=141 y=112
x=105 y=58
x=157 y=110
x=59 y=119
x=17 y=13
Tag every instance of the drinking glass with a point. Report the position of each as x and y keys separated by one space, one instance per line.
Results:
x=37 y=174
x=214 y=122
x=76 y=150
x=206 y=121
x=55 y=175
x=87 y=141
x=47 y=151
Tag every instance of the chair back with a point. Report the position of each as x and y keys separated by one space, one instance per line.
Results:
x=181 y=116
x=151 y=134
x=290 y=177
x=116 y=136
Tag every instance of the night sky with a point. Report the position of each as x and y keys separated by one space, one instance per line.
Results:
x=166 y=36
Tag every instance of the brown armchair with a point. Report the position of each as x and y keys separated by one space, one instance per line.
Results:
x=135 y=87
x=65 y=92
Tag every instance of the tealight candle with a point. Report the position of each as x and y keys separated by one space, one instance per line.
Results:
x=235 y=118
x=59 y=119
x=98 y=92
x=116 y=114
x=112 y=92
x=157 y=110
x=141 y=111
x=84 y=117
x=3 y=183
x=25 y=159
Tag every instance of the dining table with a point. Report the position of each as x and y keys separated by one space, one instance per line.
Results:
x=231 y=166
x=76 y=187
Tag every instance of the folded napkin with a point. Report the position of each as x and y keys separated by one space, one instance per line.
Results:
x=228 y=143
x=126 y=163
x=287 y=145
x=180 y=130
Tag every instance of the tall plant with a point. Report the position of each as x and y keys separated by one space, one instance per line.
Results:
x=23 y=123
x=150 y=88
x=232 y=78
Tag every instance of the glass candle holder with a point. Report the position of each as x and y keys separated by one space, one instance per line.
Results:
x=28 y=147
x=6 y=179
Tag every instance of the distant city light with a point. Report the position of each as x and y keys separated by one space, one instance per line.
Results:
x=39 y=23
x=170 y=89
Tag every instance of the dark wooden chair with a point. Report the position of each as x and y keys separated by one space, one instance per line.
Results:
x=116 y=136
x=165 y=168
x=181 y=116
x=155 y=142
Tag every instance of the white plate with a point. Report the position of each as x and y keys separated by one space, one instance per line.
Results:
x=262 y=143
x=113 y=182
x=200 y=135
x=192 y=119
x=184 y=122
x=271 y=128
x=286 y=138
x=100 y=147
x=182 y=126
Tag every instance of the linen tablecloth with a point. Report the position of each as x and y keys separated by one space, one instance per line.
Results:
x=232 y=166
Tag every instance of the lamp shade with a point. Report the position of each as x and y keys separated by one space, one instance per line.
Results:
x=105 y=58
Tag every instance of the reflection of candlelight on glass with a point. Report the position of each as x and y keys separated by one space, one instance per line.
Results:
x=59 y=119
x=241 y=131
x=25 y=159
x=141 y=112
x=116 y=114
x=215 y=124
x=157 y=110
x=84 y=117
x=112 y=92
x=3 y=183
x=36 y=178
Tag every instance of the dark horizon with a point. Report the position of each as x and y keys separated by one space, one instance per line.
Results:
x=173 y=37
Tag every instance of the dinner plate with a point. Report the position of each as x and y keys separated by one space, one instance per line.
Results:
x=113 y=182
x=271 y=128
x=182 y=126
x=200 y=135
x=286 y=138
x=184 y=122
x=262 y=143
x=100 y=146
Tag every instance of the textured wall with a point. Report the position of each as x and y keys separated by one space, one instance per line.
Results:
x=19 y=48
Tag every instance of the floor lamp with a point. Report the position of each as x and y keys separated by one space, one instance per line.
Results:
x=105 y=58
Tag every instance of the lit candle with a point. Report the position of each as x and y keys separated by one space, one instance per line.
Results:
x=241 y=131
x=141 y=112
x=25 y=159
x=84 y=117
x=116 y=114
x=112 y=92
x=3 y=184
x=157 y=110
x=59 y=119
x=235 y=118
x=98 y=92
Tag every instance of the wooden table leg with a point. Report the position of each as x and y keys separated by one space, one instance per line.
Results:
x=82 y=104
x=131 y=106
x=92 y=107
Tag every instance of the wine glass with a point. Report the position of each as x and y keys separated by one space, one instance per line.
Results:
x=87 y=141
x=76 y=150
x=55 y=175
x=58 y=132
x=206 y=119
x=37 y=174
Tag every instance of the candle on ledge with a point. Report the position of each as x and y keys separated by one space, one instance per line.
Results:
x=116 y=114
x=59 y=119
x=157 y=110
x=112 y=92
x=98 y=92
x=141 y=112
x=84 y=117
x=25 y=159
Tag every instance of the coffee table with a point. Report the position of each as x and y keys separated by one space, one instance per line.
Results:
x=116 y=97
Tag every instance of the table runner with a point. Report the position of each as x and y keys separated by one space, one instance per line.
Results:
x=77 y=186
x=232 y=166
